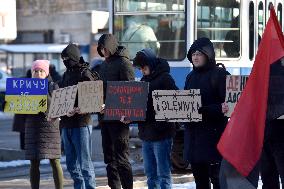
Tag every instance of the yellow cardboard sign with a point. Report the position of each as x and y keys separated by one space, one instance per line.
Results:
x=25 y=104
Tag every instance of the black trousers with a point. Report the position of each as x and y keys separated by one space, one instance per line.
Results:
x=272 y=164
x=115 y=141
x=205 y=174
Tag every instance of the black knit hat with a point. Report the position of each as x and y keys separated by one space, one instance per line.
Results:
x=72 y=51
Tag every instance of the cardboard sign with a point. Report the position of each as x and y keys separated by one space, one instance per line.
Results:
x=26 y=95
x=234 y=87
x=177 y=105
x=90 y=96
x=126 y=99
x=62 y=101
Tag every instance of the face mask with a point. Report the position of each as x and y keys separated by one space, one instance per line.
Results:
x=69 y=63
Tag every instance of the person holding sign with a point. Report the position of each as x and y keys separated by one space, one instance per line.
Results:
x=76 y=127
x=156 y=136
x=115 y=135
x=201 y=138
x=42 y=136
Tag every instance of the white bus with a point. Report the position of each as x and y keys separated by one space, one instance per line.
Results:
x=170 y=26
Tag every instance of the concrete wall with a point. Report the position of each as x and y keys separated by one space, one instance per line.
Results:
x=77 y=24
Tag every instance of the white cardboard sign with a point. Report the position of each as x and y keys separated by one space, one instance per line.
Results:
x=90 y=96
x=62 y=101
x=177 y=105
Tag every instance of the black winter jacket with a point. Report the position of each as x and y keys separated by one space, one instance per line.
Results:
x=274 y=129
x=201 y=138
x=160 y=79
x=117 y=67
x=42 y=139
x=71 y=77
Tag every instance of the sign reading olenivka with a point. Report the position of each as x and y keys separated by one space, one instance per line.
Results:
x=26 y=95
x=177 y=105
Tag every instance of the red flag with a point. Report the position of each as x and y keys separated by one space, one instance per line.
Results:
x=242 y=140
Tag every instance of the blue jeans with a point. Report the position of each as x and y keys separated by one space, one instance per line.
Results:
x=157 y=163
x=78 y=156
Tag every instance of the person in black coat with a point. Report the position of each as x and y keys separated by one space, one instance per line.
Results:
x=76 y=127
x=157 y=137
x=272 y=159
x=54 y=74
x=201 y=138
x=115 y=135
x=42 y=136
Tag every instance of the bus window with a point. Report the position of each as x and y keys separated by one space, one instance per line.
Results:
x=279 y=13
x=251 y=30
x=155 y=24
x=220 y=22
x=260 y=21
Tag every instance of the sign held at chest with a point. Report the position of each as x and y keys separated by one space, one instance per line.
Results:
x=126 y=98
x=26 y=95
x=234 y=87
x=90 y=96
x=177 y=105
x=62 y=101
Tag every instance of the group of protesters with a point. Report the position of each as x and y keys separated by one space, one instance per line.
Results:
x=43 y=140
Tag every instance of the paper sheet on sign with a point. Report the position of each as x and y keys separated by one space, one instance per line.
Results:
x=177 y=105
x=90 y=96
x=62 y=101
x=234 y=87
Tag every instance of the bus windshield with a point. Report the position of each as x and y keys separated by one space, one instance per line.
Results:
x=220 y=22
x=155 y=24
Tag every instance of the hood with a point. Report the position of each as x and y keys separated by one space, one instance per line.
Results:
x=146 y=57
x=72 y=51
x=161 y=67
x=109 y=42
x=205 y=46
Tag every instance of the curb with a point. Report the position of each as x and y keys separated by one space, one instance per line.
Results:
x=11 y=154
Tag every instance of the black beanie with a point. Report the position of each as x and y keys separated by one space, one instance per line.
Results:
x=71 y=51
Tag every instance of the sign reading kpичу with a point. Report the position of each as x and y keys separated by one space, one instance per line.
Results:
x=26 y=95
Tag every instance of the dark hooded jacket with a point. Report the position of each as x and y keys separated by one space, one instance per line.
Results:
x=42 y=138
x=159 y=79
x=117 y=67
x=77 y=71
x=274 y=129
x=201 y=138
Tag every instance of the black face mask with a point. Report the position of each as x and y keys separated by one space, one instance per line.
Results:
x=70 y=63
